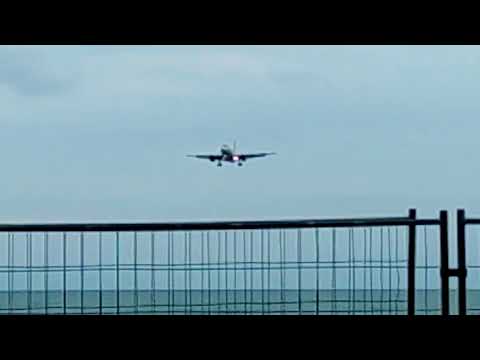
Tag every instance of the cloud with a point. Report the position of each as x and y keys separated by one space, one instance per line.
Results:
x=27 y=72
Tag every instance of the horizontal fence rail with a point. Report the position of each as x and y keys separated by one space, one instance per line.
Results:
x=206 y=226
x=339 y=266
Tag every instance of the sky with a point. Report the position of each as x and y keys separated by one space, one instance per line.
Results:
x=100 y=133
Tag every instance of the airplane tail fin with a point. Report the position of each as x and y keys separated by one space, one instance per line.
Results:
x=234 y=146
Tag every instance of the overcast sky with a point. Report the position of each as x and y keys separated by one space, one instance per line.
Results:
x=101 y=132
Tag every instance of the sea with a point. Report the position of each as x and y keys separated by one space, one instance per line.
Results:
x=229 y=302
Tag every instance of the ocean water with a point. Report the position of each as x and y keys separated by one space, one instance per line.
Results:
x=191 y=302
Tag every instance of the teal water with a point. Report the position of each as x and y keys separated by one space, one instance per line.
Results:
x=359 y=302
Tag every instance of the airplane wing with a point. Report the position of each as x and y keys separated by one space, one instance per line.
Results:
x=251 y=156
x=206 y=157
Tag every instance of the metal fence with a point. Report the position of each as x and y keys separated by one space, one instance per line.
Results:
x=468 y=293
x=392 y=265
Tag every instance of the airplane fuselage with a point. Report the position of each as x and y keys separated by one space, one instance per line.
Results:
x=228 y=154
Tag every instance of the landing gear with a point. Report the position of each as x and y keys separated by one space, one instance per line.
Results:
x=219 y=164
x=240 y=163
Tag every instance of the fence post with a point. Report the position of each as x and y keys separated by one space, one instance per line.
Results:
x=444 y=270
x=412 y=214
x=462 y=269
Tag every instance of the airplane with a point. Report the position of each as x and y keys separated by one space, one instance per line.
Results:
x=229 y=154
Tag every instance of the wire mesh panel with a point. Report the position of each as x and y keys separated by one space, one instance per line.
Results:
x=346 y=267
x=468 y=263
x=472 y=296
x=428 y=299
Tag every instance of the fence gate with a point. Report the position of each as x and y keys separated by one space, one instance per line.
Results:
x=390 y=265
x=467 y=299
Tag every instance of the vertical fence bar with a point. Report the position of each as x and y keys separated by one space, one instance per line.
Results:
x=100 y=268
x=381 y=270
x=152 y=253
x=64 y=240
x=245 y=286
x=117 y=271
x=365 y=271
x=29 y=272
x=370 y=262
x=334 y=274
x=282 y=270
x=353 y=273
x=46 y=272
x=82 y=274
x=252 y=266
x=269 y=291
x=397 y=295
x=169 y=270
x=13 y=273
x=462 y=281
x=226 y=272
x=425 y=244
x=185 y=272
x=389 y=272
x=135 y=272
x=173 y=272
x=235 y=272
x=202 y=270
x=262 y=271
x=299 y=261
x=209 y=276
x=412 y=214
x=9 y=270
x=218 y=301
x=190 y=274
x=317 y=268
x=444 y=261
x=219 y=267
x=349 y=280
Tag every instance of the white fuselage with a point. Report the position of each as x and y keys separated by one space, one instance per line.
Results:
x=228 y=154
